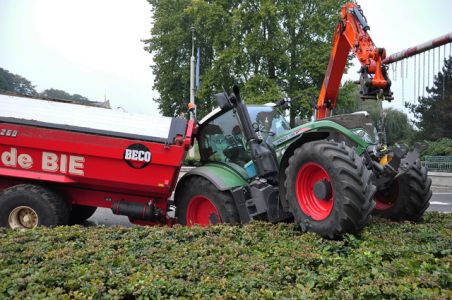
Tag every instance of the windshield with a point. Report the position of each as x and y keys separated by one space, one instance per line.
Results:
x=270 y=120
x=221 y=140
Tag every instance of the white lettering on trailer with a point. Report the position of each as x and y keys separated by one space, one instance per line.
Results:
x=8 y=132
x=128 y=154
x=9 y=158
x=137 y=155
x=63 y=164
x=25 y=161
x=134 y=155
x=49 y=161
x=76 y=165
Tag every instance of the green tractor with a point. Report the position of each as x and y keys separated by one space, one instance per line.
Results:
x=328 y=176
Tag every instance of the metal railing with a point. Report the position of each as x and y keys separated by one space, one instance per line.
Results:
x=438 y=163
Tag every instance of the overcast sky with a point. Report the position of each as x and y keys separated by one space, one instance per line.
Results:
x=93 y=47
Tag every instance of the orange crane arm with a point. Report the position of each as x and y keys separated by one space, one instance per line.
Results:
x=351 y=33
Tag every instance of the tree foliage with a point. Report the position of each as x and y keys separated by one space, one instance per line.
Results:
x=441 y=147
x=270 y=48
x=395 y=123
x=397 y=126
x=15 y=83
x=60 y=94
x=433 y=114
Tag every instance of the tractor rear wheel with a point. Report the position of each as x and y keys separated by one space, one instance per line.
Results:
x=408 y=196
x=329 y=189
x=81 y=213
x=201 y=203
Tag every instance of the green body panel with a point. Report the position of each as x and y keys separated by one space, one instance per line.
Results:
x=223 y=176
x=283 y=141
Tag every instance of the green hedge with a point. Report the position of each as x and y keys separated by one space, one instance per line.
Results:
x=258 y=261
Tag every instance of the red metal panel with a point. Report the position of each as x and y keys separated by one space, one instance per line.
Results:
x=90 y=161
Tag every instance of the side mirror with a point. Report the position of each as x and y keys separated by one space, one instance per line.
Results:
x=223 y=101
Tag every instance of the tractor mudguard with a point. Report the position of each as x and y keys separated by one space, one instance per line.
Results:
x=332 y=128
x=223 y=176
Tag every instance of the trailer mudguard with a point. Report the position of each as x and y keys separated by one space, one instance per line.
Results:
x=224 y=177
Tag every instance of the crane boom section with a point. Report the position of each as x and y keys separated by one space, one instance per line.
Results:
x=351 y=34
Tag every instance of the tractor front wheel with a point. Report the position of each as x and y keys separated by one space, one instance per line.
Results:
x=201 y=203
x=408 y=196
x=329 y=189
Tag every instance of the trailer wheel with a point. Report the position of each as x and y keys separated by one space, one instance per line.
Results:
x=81 y=213
x=407 y=198
x=329 y=189
x=28 y=206
x=201 y=203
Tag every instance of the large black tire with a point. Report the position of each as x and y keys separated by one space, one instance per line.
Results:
x=407 y=198
x=28 y=206
x=346 y=197
x=81 y=213
x=200 y=202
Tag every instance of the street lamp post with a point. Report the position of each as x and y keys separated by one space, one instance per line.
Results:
x=191 y=153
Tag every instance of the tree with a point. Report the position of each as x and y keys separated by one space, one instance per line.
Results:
x=441 y=147
x=270 y=48
x=433 y=114
x=397 y=126
x=60 y=94
x=396 y=123
x=17 y=84
x=14 y=83
x=347 y=100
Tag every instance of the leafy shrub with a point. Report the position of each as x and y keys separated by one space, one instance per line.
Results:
x=257 y=261
x=441 y=147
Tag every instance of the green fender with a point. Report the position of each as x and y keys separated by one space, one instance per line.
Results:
x=224 y=176
x=299 y=133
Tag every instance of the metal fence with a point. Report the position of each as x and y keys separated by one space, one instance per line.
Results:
x=438 y=163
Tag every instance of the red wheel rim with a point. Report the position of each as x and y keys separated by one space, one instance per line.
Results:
x=310 y=174
x=202 y=211
x=386 y=199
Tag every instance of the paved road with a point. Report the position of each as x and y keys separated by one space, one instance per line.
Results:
x=439 y=202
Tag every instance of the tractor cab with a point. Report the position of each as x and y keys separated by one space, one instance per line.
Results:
x=269 y=121
x=221 y=138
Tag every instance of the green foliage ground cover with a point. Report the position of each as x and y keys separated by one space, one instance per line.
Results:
x=258 y=261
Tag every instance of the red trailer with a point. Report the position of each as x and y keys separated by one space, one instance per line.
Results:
x=59 y=161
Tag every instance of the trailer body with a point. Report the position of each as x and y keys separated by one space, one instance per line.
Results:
x=93 y=156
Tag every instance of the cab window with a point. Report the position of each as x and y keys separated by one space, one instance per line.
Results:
x=222 y=140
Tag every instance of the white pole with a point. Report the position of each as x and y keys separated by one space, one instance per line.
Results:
x=191 y=153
